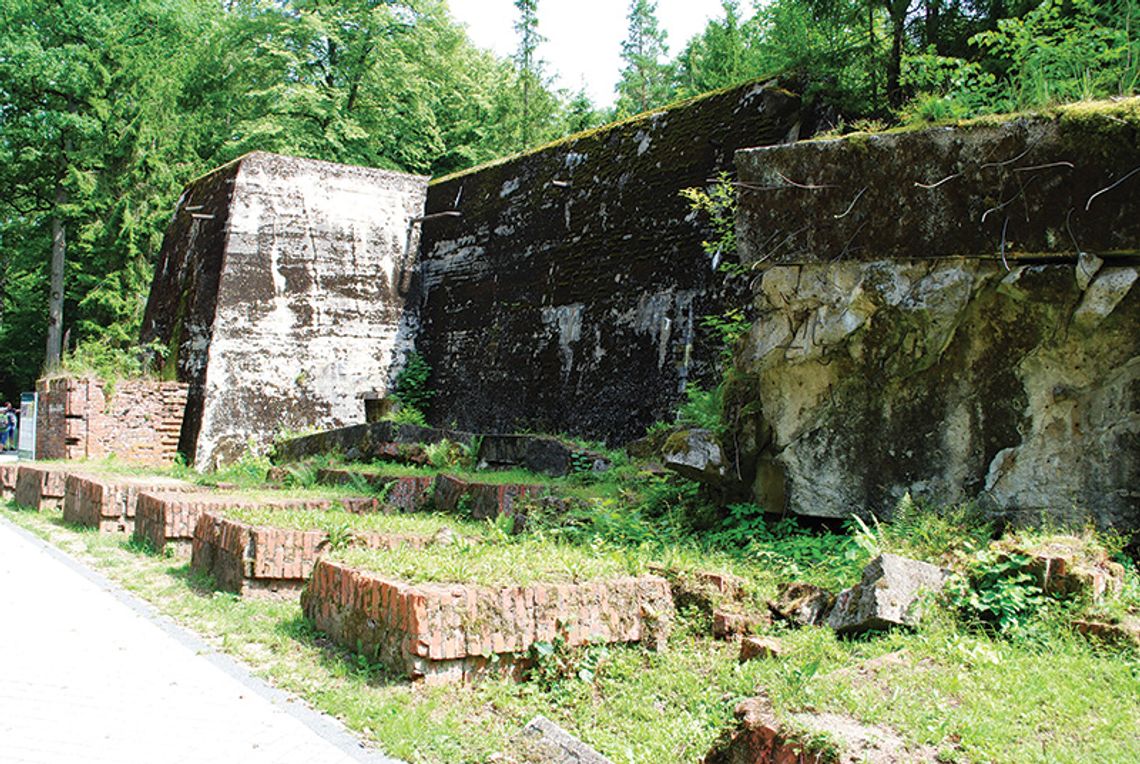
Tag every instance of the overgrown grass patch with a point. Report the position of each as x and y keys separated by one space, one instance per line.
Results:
x=495 y=562
x=337 y=520
x=974 y=695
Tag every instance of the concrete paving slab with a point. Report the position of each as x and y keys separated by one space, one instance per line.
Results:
x=89 y=673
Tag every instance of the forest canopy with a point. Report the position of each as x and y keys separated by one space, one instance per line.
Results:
x=108 y=109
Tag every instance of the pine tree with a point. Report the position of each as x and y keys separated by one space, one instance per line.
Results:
x=530 y=66
x=646 y=80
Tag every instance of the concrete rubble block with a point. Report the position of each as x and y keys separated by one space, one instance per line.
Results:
x=802 y=604
x=888 y=596
x=753 y=648
x=542 y=741
x=760 y=737
x=538 y=453
x=695 y=454
x=388 y=441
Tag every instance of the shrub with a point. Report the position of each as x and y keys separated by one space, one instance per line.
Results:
x=996 y=591
x=411 y=384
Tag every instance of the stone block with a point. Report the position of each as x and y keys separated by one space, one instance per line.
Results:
x=446 y=633
x=541 y=740
x=538 y=453
x=448 y=493
x=888 y=596
x=695 y=454
x=493 y=500
x=802 y=604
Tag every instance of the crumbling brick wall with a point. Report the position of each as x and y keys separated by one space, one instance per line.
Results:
x=248 y=559
x=444 y=633
x=135 y=421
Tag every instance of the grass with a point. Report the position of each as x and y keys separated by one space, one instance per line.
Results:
x=320 y=520
x=973 y=695
x=496 y=562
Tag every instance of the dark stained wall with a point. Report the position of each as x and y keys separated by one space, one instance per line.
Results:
x=568 y=295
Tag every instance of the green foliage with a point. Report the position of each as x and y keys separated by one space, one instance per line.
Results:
x=554 y=663
x=110 y=362
x=1067 y=50
x=717 y=202
x=407 y=415
x=785 y=545
x=702 y=408
x=997 y=591
x=411 y=384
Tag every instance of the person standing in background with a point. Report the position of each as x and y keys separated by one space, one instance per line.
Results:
x=9 y=426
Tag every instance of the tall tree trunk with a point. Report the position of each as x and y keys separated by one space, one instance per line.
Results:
x=55 y=298
x=898 y=11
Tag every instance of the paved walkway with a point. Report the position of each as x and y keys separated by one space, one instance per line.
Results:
x=89 y=674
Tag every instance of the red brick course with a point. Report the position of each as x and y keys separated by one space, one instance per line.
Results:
x=444 y=633
x=40 y=487
x=139 y=422
x=248 y=559
x=109 y=503
x=171 y=518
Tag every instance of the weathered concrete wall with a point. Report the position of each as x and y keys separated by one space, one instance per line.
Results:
x=568 y=296
x=137 y=420
x=894 y=350
x=281 y=292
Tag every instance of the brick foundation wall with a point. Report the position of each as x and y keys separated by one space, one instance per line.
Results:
x=39 y=487
x=444 y=633
x=164 y=518
x=109 y=503
x=245 y=559
x=138 y=422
